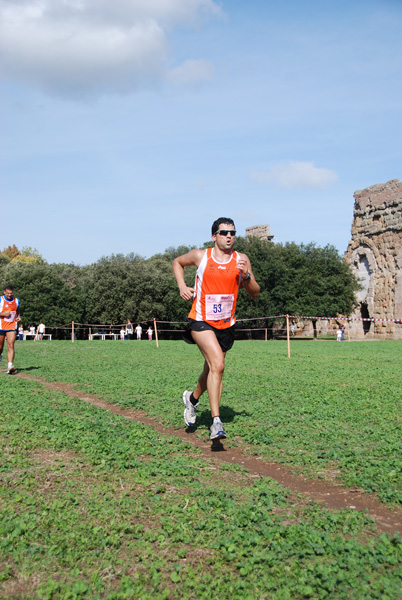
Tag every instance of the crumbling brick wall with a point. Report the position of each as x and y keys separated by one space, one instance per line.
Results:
x=375 y=253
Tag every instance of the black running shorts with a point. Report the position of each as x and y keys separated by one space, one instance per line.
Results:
x=225 y=337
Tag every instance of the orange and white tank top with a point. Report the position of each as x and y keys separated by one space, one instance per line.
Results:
x=9 y=323
x=216 y=288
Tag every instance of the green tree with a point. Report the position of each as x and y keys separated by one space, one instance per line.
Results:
x=118 y=288
x=295 y=279
x=43 y=293
x=27 y=254
x=298 y=280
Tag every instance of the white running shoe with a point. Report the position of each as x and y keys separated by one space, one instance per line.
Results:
x=217 y=431
x=190 y=412
x=11 y=370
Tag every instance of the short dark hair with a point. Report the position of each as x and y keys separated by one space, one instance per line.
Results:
x=215 y=224
x=9 y=287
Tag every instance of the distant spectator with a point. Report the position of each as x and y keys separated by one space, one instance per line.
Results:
x=41 y=331
x=122 y=333
x=32 y=330
x=129 y=330
x=150 y=332
x=20 y=333
x=339 y=335
x=138 y=331
x=292 y=329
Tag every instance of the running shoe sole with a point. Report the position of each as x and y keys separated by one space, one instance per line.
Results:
x=219 y=436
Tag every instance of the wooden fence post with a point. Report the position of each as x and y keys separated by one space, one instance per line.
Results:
x=288 y=334
x=156 y=334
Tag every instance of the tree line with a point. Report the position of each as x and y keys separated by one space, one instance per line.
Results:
x=296 y=279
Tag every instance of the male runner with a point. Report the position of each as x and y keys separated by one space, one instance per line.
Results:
x=9 y=317
x=221 y=272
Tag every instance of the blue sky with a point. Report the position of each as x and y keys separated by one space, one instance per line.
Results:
x=129 y=126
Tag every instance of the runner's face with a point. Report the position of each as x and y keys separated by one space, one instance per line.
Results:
x=8 y=294
x=224 y=242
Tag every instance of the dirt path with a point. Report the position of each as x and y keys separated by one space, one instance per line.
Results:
x=333 y=495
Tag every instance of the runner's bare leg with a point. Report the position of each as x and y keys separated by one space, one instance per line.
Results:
x=202 y=382
x=10 y=336
x=213 y=368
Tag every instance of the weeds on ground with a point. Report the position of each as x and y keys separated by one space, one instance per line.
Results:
x=95 y=506
x=330 y=411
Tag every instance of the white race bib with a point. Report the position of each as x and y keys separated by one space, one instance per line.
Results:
x=219 y=306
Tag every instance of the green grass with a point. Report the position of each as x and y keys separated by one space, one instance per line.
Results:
x=329 y=409
x=95 y=506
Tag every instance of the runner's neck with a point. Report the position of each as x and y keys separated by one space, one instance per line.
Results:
x=218 y=256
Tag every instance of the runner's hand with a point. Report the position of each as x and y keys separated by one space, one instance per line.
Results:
x=187 y=293
x=243 y=267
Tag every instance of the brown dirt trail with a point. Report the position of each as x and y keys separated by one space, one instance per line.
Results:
x=332 y=495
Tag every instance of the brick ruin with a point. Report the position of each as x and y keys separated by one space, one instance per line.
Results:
x=375 y=253
x=260 y=231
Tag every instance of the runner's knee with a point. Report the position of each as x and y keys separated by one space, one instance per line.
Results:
x=217 y=366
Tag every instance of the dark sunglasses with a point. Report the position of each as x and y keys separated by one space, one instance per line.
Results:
x=226 y=231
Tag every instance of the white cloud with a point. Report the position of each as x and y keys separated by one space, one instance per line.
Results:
x=297 y=174
x=91 y=46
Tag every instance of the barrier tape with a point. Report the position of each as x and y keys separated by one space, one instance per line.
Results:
x=109 y=326
x=345 y=319
x=260 y=318
x=340 y=318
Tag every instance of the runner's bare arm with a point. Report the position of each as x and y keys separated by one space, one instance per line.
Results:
x=251 y=286
x=192 y=258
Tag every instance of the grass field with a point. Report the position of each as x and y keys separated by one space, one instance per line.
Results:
x=95 y=506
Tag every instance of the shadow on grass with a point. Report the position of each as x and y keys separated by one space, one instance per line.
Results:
x=227 y=415
x=217 y=446
x=204 y=421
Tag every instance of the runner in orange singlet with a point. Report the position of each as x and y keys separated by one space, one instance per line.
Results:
x=9 y=317
x=221 y=272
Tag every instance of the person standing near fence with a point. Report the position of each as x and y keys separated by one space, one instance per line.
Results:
x=221 y=272
x=129 y=329
x=138 y=331
x=41 y=331
x=9 y=318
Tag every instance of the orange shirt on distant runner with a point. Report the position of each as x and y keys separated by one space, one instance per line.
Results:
x=216 y=288
x=9 y=323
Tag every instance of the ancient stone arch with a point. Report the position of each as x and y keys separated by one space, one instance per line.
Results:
x=375 y=253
